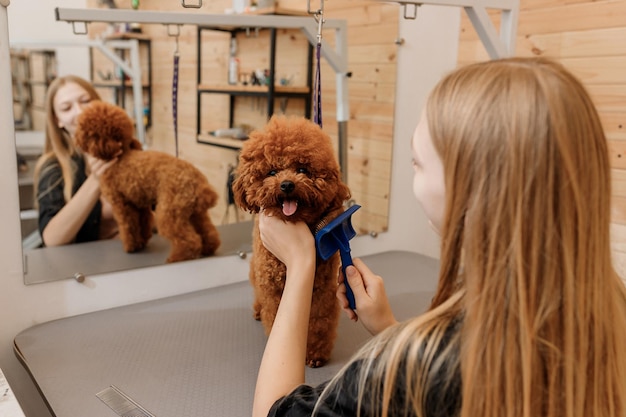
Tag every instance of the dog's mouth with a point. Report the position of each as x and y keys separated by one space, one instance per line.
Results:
x=289 y=207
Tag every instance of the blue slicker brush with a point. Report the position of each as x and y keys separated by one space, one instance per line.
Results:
x=335 y=236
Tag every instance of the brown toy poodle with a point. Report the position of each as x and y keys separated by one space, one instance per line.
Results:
x=289 y=169
x=143 y=181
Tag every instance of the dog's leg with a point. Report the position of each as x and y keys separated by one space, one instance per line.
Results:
x=324 y=317
x=146 y=223
x=207 y=232
x=269 y=283
x=129 y=221
x=256 y=306
x=174 y=224
x=322 y=332
x=269 y=307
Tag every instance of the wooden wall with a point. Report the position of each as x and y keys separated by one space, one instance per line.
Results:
x=589 y=38
x=372 y=30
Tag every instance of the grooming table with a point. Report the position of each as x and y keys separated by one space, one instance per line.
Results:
x=195 y=354
x=104 y=256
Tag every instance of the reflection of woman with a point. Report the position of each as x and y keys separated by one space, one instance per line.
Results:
x=529 y=317
x=66 y=180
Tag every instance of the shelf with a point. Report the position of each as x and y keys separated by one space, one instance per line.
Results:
x=277 y=10
x=128 y=35
x=117 y=83
x=262 y=89
x=123 y=87
x=268 y=92
x=229 y=143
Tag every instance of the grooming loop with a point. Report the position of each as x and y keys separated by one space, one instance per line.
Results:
x=190 y=5
x=319 y=18
x=317 y=92
x=406 y=8
x=175 y=34
x=77 y=31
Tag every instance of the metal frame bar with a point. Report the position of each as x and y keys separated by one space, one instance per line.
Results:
x=107 y=48
x=497 y=46
x=337 y=58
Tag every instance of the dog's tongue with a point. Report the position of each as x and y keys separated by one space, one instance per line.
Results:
x=289 y=207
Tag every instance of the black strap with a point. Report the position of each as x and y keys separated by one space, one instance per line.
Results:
x=317 y=91
x=175 y=101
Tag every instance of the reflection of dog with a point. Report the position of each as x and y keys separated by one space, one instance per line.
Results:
x=290 y=171
x=144 y=180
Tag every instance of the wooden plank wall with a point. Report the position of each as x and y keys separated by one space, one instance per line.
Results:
x=373 y=28
x=589 y=38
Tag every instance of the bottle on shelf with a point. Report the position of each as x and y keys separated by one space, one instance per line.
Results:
x=233 y=132
x=233 y=63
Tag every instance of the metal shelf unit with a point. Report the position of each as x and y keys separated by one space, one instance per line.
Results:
x=270 y=91
x=123 y=86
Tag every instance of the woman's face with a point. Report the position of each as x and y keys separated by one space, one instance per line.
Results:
x=68 y=104
x=428 y=179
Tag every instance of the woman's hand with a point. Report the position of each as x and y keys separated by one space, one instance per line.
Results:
x=289 y=242
x=97 y=167
x=370 y=297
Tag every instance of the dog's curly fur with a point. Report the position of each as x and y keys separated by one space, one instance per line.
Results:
x=143 y=181
x=292 y=162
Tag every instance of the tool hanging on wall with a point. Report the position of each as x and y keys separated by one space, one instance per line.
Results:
x=317 y=88
x=175 y=86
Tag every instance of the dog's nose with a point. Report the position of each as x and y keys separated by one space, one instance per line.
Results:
x=287 y=187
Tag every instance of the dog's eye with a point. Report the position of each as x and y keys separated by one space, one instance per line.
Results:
x=272 y=173
x=303 y=170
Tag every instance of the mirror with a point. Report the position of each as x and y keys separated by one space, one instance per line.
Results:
x=372 y=36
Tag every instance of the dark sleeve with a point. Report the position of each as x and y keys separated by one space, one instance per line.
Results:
x=49 y=194
x=341 y=401
x=443 y=396
x=51 y=201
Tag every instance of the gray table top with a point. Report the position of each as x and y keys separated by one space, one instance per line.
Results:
x=105 y=256
x=190 y=355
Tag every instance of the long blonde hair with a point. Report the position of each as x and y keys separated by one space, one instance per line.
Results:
x=58 y=144
x=525 y=255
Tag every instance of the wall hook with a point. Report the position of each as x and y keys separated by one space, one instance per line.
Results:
x=412 y=16
x=191 y=5
x=79 y=32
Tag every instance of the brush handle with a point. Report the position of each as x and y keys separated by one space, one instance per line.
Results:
x=346 y=261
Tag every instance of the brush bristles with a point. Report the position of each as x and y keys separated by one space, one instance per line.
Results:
x=322 y=223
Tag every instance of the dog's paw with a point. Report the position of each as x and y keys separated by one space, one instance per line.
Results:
x=256 y=311
x=132 y=247
x=313 y=362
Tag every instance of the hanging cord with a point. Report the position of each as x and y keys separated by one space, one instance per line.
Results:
x=175 y=87
x=317 y=88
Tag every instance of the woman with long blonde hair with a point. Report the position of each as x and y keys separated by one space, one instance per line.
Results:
x=67 y=181
x=529 y=317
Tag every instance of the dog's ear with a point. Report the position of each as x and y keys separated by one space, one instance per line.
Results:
x=343 y=193
x=241 y=186
x=135 y=144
